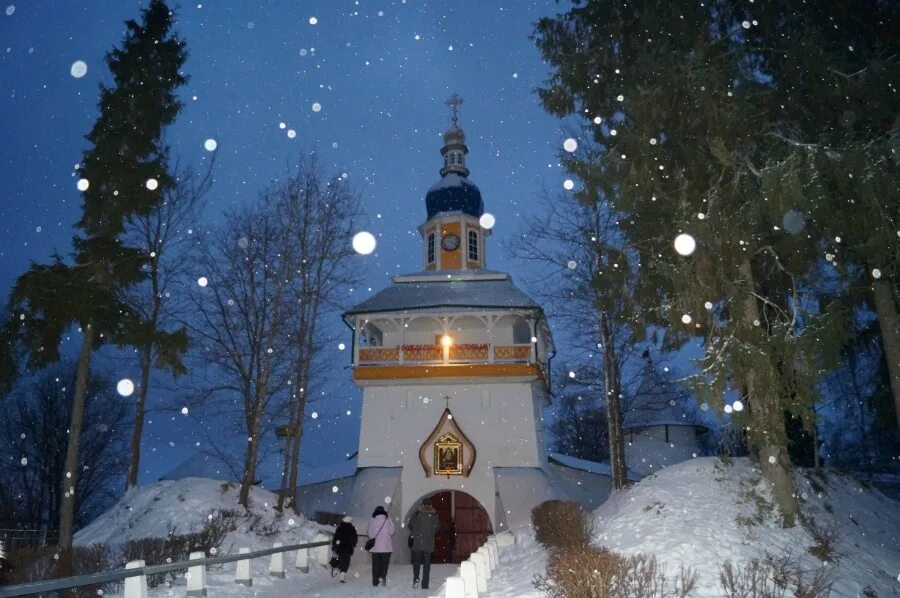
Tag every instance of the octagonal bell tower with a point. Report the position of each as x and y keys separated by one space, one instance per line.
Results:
x=453 y=366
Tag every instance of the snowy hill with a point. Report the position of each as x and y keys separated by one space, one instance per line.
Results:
x=702 y=512
x=184 y=506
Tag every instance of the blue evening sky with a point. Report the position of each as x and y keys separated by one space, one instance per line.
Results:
x=381 y=71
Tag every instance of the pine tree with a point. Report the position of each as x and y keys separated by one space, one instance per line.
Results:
x=126 y=172
x=838 y=115
x=678 y=98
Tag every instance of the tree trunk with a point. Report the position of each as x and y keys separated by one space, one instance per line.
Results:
x=250 y=461
x=889 y=323
x=613 y=406
x=146 y=364
x=70 y=475
x=134 y=465
x=296 y=437
x=286 y=467
x=768 y=417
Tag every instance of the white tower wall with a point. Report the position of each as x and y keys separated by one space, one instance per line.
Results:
x=499 y=418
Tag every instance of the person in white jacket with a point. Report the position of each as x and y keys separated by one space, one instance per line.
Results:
x=381 y=529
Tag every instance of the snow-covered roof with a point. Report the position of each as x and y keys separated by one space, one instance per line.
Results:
x=356 y=495
x=204 y=465
x=458 y=289
x=453 y=193
x=451 y=179
x=585 y=465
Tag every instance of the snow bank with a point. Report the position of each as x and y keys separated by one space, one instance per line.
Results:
x=183 y=506
x=702 y=512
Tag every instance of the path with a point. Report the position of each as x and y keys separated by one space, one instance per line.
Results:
x=514 y=579
x=318 y=583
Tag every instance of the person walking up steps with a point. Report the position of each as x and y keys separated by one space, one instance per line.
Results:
x=423 y=528
x=343 y=544
x=381 y=528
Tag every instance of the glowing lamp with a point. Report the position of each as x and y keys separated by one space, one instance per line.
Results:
x=446 y=340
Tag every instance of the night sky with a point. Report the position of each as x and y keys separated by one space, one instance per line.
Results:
x=381 y=72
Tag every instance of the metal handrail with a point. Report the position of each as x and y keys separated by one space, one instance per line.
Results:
x=103 y=577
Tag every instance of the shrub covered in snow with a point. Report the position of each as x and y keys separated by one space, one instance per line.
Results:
x=773 y=577
x=597 y=573
x=560 y=524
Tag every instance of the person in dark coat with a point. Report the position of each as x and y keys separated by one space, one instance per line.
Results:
x=423 y=528
x=380 y=530
x=343 y=544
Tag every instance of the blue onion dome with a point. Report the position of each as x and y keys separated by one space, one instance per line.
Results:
x=454 y=193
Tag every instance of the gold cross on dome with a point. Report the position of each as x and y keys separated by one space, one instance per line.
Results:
x=454 y=102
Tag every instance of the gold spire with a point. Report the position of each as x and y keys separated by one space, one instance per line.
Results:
x=454 y=150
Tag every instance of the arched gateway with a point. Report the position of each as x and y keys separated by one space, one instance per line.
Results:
x=465 y=525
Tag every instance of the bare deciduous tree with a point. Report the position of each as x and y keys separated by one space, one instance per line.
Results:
x=273 y=270
x=35 y=429
x=321 y=214
x=241 y=316
x=162 y=234
x=584 y=270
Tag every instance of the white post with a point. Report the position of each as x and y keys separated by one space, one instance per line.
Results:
x=303 y=560
x=470 y=578
x=135 y=587
x=480 y=566
x=242 y=571
x=505 y=539
x=323 y=553
x=488 y=564
x=491 y=546
x=454 y=588
x=196 y=576
x=276 y=565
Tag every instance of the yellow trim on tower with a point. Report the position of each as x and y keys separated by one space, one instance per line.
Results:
x=393 y=372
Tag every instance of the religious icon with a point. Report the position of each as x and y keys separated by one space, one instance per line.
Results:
x=448 y=455
x=447 y=451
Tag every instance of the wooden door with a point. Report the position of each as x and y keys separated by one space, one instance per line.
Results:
x=465 y=526
x=443 y=543
x=473 y=526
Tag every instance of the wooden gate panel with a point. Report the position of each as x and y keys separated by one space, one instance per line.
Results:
x=465 y=526
x=443 y=543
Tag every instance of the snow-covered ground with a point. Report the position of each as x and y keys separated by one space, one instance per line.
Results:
x=698 y=513
x=702 y=512
x=184 y=506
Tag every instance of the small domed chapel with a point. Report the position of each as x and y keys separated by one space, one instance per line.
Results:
x=452 y=362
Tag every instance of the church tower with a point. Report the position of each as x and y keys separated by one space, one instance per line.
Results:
x=453 y=365
x=453 y=234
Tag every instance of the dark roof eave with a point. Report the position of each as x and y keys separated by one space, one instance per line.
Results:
x=354 y=312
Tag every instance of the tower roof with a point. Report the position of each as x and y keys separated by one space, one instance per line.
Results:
x=454 y=192
x=477 y=289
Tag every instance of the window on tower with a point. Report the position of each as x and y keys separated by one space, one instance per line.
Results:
x=430 y=243
x=473 y=245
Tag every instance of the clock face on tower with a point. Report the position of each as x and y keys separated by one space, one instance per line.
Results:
x=450 y=242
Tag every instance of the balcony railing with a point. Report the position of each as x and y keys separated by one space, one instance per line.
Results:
x=457 y=353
